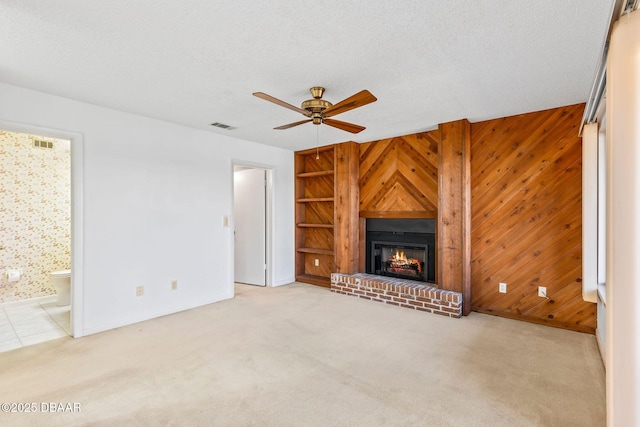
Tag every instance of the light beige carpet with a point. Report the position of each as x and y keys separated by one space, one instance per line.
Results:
x=299 y=355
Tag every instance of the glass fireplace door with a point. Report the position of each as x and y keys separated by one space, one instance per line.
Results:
x=402 y=261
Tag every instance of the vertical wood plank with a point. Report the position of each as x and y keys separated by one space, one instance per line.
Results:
x=454 y=250
x=466 y=219
x=346 y=214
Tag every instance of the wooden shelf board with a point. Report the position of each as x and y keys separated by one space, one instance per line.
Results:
x=314 y=174
x=315 y=251
x=315 y=150
x=308 y=225
x=314 y=280
x=315 y=199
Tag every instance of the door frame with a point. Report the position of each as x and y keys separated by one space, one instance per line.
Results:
x=77 y=213
x=269 y=217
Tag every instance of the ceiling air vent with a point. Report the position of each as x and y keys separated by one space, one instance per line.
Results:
x=39 y=143
x=222 y=126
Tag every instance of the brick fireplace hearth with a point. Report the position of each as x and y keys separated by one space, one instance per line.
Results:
x=399 y=292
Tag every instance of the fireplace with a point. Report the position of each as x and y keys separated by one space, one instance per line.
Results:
x=402 y=261
x=401 y=248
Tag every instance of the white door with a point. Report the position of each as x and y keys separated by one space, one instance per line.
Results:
x=249 y=226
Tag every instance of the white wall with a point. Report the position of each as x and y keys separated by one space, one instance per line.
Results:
x=623 y=223
x=154 y=197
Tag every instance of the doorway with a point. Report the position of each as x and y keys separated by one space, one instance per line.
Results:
x=75 y=213
x=35 y=239
x=251 y=225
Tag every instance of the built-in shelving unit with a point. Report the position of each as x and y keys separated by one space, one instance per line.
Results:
x=315 y=212
x=327 y=222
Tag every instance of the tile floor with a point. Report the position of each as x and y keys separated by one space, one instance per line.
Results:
x=30 y=322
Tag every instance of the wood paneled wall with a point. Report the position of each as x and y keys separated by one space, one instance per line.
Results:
x=526 y=218
x=399 y=177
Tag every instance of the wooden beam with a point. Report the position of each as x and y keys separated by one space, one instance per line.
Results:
x=399 y=214
x=454 y=209
x=346 y=205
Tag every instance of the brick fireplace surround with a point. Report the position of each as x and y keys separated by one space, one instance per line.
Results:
x=399 y=292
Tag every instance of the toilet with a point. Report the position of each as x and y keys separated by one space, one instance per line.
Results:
x=61 y=281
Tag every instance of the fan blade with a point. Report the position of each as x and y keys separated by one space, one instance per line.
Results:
x=361 y=98
x=349 y=127
x=270 y=98
x=290 y=125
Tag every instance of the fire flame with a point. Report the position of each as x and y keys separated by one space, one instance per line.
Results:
x=400 y=259
x=400 y=256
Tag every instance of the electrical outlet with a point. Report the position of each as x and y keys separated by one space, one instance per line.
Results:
x=225 y=221
x=316 y=262
x=174 y=285
x=542 y=291
x=139 y=291
x=502 y=287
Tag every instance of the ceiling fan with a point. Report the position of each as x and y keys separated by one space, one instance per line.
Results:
x=318 y=110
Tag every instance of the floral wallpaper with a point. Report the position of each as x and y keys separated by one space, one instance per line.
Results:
x=35 y=213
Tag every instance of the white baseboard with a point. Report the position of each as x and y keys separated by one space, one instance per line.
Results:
x=286 y=281
x=603 y=355
x=130 y=320
x=40 y=300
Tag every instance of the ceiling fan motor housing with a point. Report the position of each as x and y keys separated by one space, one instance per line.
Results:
x=316 y=105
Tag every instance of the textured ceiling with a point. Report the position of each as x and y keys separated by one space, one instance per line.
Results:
x=197 y=62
